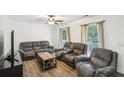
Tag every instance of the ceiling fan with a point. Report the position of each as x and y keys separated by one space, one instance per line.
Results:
x=51 y=19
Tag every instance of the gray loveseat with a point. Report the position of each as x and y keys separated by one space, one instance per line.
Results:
x=29 y=49
x=70 y=51
x=102 y=62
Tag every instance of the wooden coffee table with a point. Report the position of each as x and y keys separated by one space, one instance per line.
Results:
x=47 y=59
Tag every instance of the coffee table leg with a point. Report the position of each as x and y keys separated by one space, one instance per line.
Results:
x=55 y=62
x=43 y=65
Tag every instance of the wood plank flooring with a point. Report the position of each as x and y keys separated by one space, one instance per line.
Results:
x=32 y=68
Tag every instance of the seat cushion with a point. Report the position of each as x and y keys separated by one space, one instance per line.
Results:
x=27 y=49
x=86 y=69
x=70 y=57
x=37 y=47
x=44 y=46
x=100 y=62
x=59 y=54
x=42 y=50
x=29 y=54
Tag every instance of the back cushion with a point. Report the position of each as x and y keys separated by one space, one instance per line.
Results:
x=36 y=44
x=104 y=54
x=99 y=62
x=26 y=45
x=67 y=44
x=72 y=46
x=76 y=51
x=44 y=43
x=79 y=46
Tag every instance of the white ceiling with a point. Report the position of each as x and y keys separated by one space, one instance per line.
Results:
x=38 y=18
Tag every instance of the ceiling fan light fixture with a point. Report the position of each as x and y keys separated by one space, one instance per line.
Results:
x=51 y=19
x=51 y=22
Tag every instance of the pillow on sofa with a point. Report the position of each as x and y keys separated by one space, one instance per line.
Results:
x=99 y=61
x=78 y=52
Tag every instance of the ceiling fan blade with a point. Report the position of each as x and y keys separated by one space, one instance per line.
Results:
x=46 y=22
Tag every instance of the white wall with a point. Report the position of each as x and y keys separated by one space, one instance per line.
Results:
x=25 y=31
x=113 y=34
x=4 y=26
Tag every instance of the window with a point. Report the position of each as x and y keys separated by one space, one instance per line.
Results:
x=64 y=36
x=92 y=37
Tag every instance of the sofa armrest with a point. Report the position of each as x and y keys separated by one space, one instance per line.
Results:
x=81 y=58
x=21 y=51
x=105 y=71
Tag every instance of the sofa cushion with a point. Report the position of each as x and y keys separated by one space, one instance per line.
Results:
x=99 y=61
x=67 y=50
x=42 y=50
x=70 y=57
x=72 y=46
x=27 y=49
x=67 y=44
x=80 y=46
x=44 y=43
x=59 y=53
x=37 y=43
x=86 y=69
x=37 y=47
x=29 y=54
x=44 y=46
x=26 y=45
x=105 y=54
x=77 y=51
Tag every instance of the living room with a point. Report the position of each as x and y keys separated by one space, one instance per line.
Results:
x=31 y=28
x=79 y=49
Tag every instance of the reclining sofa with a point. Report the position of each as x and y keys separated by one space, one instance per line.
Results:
x=29 y=49
x=70 y=51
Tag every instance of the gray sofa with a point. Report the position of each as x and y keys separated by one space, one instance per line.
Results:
x=70 y=51
x=102 y=62
x=29 y=49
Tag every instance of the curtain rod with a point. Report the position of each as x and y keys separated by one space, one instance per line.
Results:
x=93 y=22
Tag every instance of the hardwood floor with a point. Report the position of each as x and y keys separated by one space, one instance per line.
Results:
x=32 y=68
